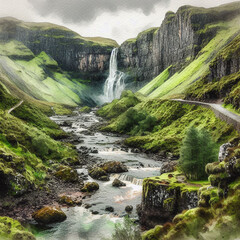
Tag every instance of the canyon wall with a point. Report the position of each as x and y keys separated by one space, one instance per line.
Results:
x=178 y=40
x=89 y=58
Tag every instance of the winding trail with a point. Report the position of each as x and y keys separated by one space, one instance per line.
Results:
x=219 y=110
x=14 y=107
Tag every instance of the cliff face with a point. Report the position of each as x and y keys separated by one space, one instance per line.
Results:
x=162 y=199
x=88 y=57
x=178 y=40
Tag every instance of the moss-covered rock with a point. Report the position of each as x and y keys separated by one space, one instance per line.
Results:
x=114 y=167
x=13 y=230
x=66 y=174
x=117 y=183
x=90 y=187
x=48 y=215
x=99 y=173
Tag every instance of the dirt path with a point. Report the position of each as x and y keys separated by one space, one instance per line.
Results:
x=14 y=107
x=219 y=110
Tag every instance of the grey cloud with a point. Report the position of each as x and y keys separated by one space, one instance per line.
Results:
x=88 y=10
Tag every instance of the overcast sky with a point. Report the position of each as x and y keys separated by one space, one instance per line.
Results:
x=116 y=19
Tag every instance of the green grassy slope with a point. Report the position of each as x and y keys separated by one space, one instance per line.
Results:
x=179 y=82
x=39 y=76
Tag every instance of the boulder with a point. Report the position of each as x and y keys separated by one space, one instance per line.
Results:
x=90 y=187
x=169 y=166
x=98 y=173
x=118 y=183
x=109 y=209
x=129 y=208
x=67 y=174
x=48 y=215
x=114 y=167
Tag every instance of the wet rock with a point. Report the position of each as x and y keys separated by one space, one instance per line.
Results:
x=66 y=174
x=90 y=187
x=114 y=167
x=118 y=183
x=66 y=200
x=94 y=212
x=104 y=178
x=48 y=215
x=87 y=205
x=129 y=208
x=109 y=209
x=66 y=124
x=169 y=166
x=98 y=173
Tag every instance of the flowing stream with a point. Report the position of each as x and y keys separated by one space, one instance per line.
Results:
x=81 y=223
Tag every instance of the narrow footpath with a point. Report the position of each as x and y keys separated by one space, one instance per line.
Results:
x=219 y=110
x=14 y=107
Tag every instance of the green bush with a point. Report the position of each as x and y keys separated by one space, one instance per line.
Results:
x=41 y=145
x=126 y=231
x=198 y=149
x=137 y=122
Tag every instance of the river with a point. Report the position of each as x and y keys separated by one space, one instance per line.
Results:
x=81 y=223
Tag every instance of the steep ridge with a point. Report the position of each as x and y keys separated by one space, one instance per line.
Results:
x=177 y=42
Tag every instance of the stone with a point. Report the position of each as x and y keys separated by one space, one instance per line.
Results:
x=66 y=174
x=129 y=208
x=117 y=183
x=114 y=167
x=169 y=166
x=109 y=209
x=97 y=173
x=48 y=215
x=90 y=187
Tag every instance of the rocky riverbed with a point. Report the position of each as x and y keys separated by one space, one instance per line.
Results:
x=89 y=213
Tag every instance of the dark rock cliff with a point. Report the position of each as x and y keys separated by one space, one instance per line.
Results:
x=89 y=58
x=178 y=40
x=161 y=201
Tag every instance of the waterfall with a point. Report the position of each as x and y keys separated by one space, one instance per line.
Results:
x=114 y=84
x=125 y=177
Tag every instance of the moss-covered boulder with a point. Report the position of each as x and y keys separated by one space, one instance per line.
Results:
x=114 y=167
x=66 y=174
x=117 y=183
x=99 y=174
x=48 y=215
x=12 y=229
x=90 y=187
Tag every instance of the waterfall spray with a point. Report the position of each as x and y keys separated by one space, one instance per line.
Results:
x=114 y=84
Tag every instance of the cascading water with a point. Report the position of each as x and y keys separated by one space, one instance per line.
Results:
x=114 y=84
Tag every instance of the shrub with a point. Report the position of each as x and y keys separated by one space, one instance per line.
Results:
x=197 y=150
x=126 y=231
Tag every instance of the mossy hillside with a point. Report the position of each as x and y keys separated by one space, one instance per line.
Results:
x=180 y=81
x=15 y=50
x=173 y=118
x=32 y=112
x=41 y=77
x=117 y=107
x=12 y=229
x=156 y=82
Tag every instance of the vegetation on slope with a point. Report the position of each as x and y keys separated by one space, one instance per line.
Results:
x=27 y=145
x=217 y=214
x=172 y=120
x=180 y=81
x=226 y=87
